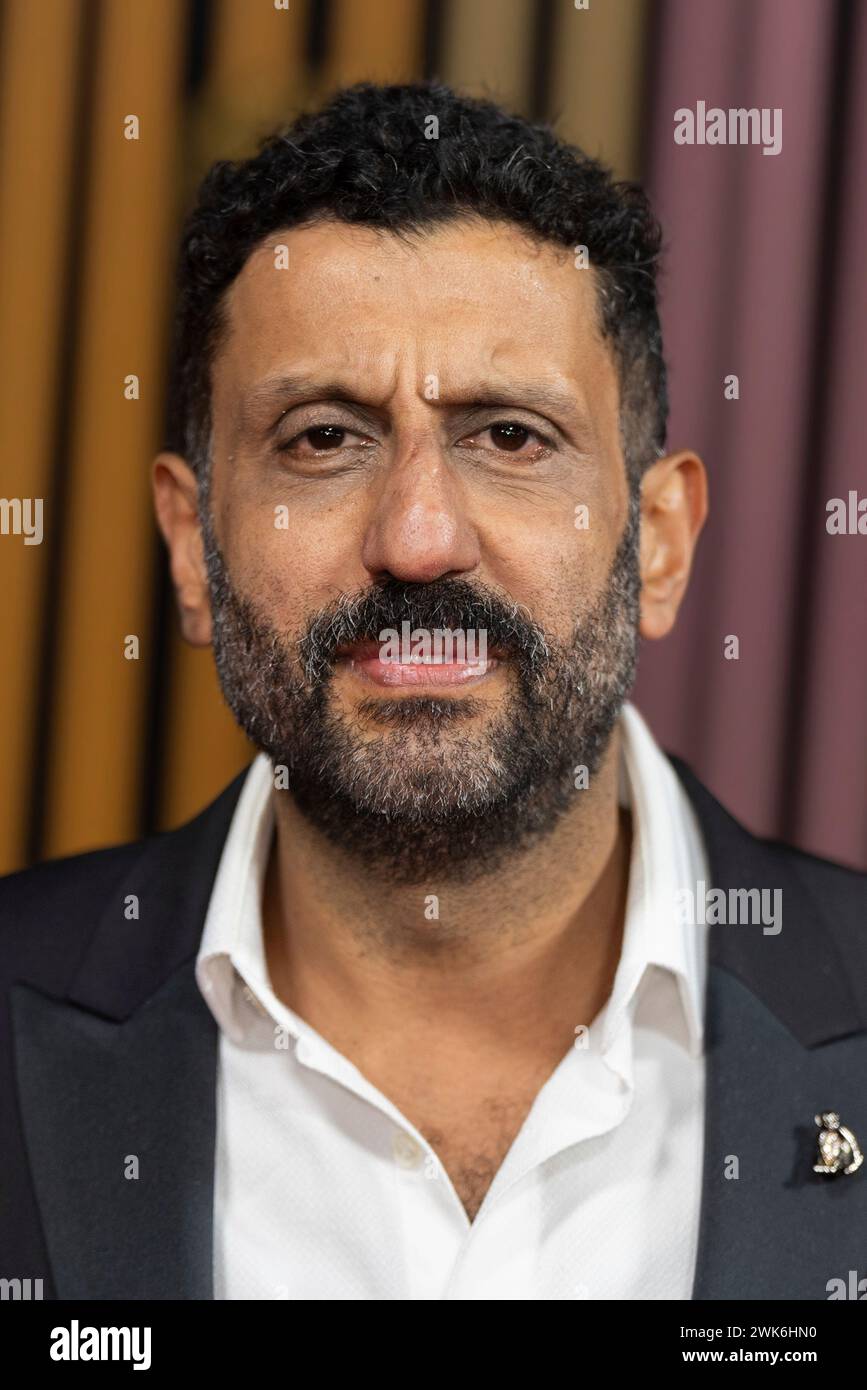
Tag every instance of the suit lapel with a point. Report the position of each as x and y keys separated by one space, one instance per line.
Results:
x=117 y=1084
x=119 y=1119
x=784 y=1041
x=777 y=1230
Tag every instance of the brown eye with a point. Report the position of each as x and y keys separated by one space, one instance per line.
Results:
x=509 y=436
x=325 y=436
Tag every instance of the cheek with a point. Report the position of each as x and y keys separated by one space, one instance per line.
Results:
x=290 y=562
x=563 y=592
x=555 y=566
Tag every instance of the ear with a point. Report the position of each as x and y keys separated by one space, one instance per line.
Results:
x=176 y=504
x=673 y=511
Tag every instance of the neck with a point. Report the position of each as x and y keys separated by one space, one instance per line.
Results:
x=533 y=947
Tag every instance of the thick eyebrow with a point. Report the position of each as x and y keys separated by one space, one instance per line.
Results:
x=542 y=397
x=289 y=392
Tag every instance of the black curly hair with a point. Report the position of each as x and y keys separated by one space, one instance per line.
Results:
x=367 y=158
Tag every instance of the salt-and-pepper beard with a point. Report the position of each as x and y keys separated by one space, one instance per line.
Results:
x=415 y=794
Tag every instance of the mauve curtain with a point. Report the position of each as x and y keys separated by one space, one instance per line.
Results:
x=766 y=279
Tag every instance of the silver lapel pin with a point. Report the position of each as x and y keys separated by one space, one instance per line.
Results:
x=838 y=1147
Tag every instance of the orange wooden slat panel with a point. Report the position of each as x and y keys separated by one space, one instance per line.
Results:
x=375 y=43
x=597 y=79
x=487 y=48
x=99 y=701
x=39 y=56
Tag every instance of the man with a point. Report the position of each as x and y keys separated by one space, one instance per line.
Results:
x=427 y=1003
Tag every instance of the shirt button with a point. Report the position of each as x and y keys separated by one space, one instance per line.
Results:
x=407 y=1153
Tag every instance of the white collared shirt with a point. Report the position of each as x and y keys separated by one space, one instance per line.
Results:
x=324 y=1190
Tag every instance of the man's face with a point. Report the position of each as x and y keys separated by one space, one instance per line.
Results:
x=423 y=432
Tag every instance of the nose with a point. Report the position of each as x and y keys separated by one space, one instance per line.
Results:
x=420 y=529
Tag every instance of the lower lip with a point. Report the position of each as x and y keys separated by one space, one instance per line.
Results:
x=422 y=673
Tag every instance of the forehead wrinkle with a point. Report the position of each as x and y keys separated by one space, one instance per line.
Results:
x=293 y=389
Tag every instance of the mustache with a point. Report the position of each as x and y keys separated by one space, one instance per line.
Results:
x=445 y=603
